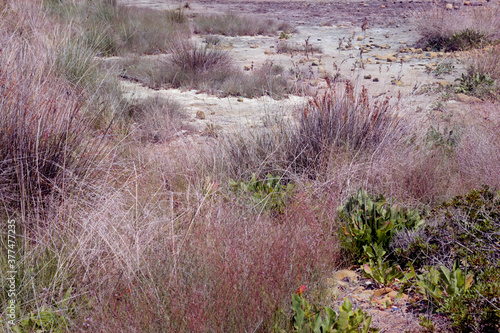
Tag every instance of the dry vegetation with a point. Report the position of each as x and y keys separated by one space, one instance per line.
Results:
x=116 y=234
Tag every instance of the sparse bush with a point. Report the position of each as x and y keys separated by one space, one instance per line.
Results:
x=268 y=80
x=192 y=66
x=232 y=24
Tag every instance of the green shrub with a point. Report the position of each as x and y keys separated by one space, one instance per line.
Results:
x=478 y=309
x=269 y=194
x=310 y=319
x=461 y=229
x=460 y=41
x=476 y=84
x=368 y=221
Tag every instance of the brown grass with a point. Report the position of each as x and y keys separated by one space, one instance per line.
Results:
x=150 y=237
x=438 y=25
x=232 y=24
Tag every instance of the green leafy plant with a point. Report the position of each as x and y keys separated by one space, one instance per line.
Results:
x=477 y=309
x=477 y=84
x=445 y=67
x=49 y=318
x=311 y=319
x=368 y=220
x=439 y=283
x=426 y=324
x=269 y=193
x=284 y=35
x=379 y=270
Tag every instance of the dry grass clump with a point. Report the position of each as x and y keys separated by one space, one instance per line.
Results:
x=232 y=24
x=207 y=69
x=267 y=80
x=339 y=120
x=156 y=120
x=46 y=124
x=486 y=62
x=457 y=30
x=119 y=30
x=192 y=66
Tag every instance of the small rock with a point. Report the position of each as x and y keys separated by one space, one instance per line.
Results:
x=254 y=46
x=360 y=38
x=449 y=6
x=382 y=6
x=367 y=77
x=403 y=42
x=375 y=79
x=344 y=274
x=200 y=115
x=382 y=291
x=315 y=63
x=466 y=3
x=467 y=99
x=268 y=52
x=391 y=59
x=247 y=67
x=385 y=46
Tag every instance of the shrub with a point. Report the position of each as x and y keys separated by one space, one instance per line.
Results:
x=371 y=221
x=192 y=66
x=460 y=229
x=119 y=30
x=310 y=319
x=338 y=123
x=267 y=80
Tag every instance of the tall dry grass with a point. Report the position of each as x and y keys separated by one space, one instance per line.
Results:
x=232 y=24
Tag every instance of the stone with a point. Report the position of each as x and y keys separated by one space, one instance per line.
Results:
x=466 y=3
x=345 y=274
x=360 y=38
x=467 y=99
x=367 y=77
x=247 y=67
x=385 y=46
x=449 y=6
x=268 y=52
x=445 y=83
x=376 y=79
x=391 y=59
x=254 y=46
x=200 y=115
x=382 y=291
x=240 y=99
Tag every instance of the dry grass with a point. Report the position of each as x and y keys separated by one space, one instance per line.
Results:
x=113 y=29
x=455 y=30
x=339 y=120
x=486 y=62
x=150 y=237
x=206 y=69
x=156 y=120
x=232 y=24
